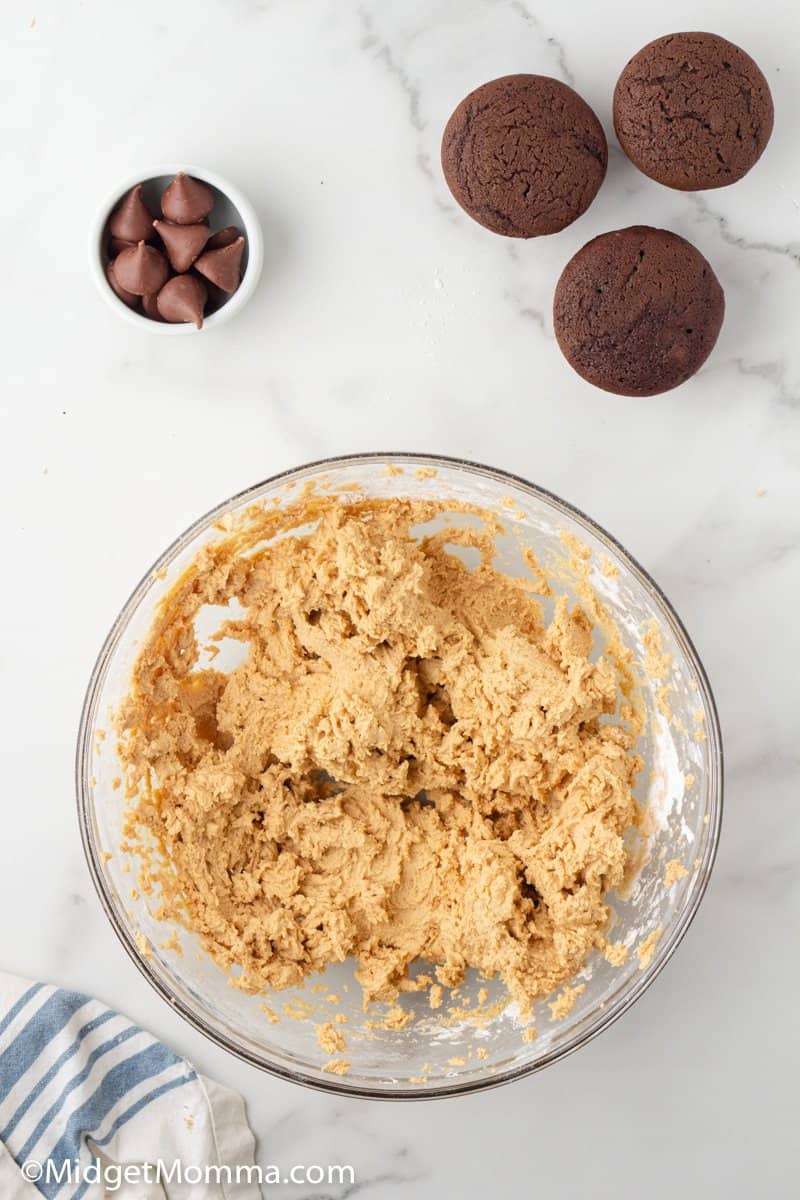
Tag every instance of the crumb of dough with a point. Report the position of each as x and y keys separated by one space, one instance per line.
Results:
x=457 y=1062
x=340 y=1019
x=656 y=662
x=417 y=1079
x=173 y=942
x=188 y=1121
x=270 y=1014
x=397 y=1018
x=608 y=568
x=675 y=871
x=426 y=1068
x=647 y=948
x=697 y=863
x=530 y=1034
x=331 y=1039
x=418 y=984
x=761 y=492
x=479 y=1017
x=575 y=546
x=333 y=998
x=402 y=729
x=337 y=1066
x=295 y=1012
x=116 y=783
x=106 y=856
x=615 y=953
x=436 y=996
x=541 y=585
x=700 y=735
x=483 y=995
x=482 y=1052
x=564 y=1004
x=699 y=716
x=426 y=472
x=662 y=701
x=688 y=781
x=143 y=945
x=100 y=734
x=392 y=471
x=706 y=818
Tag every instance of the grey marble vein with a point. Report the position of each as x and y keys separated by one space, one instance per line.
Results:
x=774 y=880
x=382 y=51
x=555 y=46
x=527 y=312
x=773 y=373
x=788 y=250
x=781 y=763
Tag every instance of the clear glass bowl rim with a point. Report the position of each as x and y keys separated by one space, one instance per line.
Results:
x=337 y=1085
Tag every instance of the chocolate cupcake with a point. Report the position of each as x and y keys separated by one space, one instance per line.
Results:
x=637 y=311
x=693 y=111
x=524 y=155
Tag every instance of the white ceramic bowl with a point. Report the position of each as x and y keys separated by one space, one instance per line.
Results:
x=230 y=208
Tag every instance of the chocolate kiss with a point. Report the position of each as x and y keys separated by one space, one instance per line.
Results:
x=126 y=297
x=117 y=245
x=132 y=220
x=183 y=242
x=216 y=296
x=223 y=266
x=223 y=238
x=187 y=201
x=142 y=269
x=150 y=306
x=183 y=298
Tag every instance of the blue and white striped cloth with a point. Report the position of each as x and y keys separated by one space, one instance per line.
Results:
x=79 y=1081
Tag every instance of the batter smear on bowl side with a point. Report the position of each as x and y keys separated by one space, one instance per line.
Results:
x=410 y=762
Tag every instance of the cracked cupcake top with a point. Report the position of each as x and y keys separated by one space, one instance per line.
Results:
x=637 y=311
x=524 y=155
x=693 y=111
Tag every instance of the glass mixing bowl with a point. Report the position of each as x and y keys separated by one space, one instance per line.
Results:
x=438 y=1053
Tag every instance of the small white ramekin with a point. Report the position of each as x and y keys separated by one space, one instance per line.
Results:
x=230 y=208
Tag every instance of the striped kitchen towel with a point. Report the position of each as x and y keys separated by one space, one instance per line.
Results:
x=85 y=1093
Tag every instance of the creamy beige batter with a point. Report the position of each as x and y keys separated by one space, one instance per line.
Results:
x=409 y=764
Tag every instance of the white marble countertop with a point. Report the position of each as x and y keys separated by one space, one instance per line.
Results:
x=387 y=320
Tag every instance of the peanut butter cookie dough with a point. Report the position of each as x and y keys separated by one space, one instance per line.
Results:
x=409 y=763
